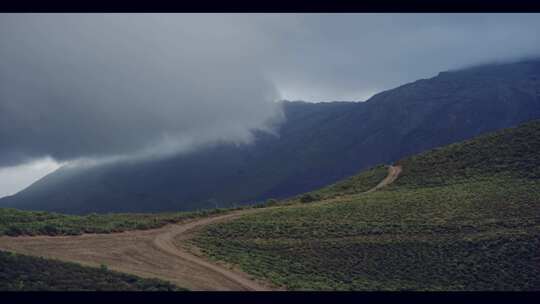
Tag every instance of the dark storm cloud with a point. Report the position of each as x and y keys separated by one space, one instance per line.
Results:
x=82 y=86
x=75 y=86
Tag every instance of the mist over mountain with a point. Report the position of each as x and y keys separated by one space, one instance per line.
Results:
x=316 y=145
x=119 y=86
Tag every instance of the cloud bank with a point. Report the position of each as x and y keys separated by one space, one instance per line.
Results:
x=13 y=179
x=91 y=86
x=325 y=57
x=87 y=86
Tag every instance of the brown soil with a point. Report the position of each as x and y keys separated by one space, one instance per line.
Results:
x=393 y=173
x=149 y=253
x=157 y=253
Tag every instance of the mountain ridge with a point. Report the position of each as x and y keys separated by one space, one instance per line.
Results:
x=317 y=145
x=461 y=217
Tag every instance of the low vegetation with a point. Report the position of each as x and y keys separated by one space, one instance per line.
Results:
x=353 y=185
x=25 y=273
x=15 y=222
x=461 y=217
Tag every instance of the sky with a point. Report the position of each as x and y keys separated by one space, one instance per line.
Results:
x=108 y=87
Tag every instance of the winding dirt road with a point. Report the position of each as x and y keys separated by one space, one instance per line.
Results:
x=148 y=253
x=151 y=253
x=393 y=173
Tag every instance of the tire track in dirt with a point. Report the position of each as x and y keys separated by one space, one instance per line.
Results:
x=148 y=253
x=152 y=253
x=393 y=174
x=165 y=242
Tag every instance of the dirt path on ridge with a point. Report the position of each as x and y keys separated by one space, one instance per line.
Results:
x=393 y=173
x=151 y=253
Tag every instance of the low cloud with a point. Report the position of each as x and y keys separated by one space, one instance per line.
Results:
x=114 y=86
x=325 y=57
x=98 y=86
x=14 y=179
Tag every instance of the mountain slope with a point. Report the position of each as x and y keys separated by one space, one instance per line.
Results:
x=142 y=252
x=317 y=145
x=462 y=217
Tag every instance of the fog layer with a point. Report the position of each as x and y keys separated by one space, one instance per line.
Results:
x=91 y=86
x=110 y=86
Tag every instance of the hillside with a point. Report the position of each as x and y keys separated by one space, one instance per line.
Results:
x=25 y=273
x=461 y=217
x=15 y=222
x=317 y=145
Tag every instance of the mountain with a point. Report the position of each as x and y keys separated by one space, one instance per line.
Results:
x=461 y=217
x=317 y=145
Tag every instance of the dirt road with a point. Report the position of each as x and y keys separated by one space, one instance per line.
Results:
x=393 y=173
x=151 y=253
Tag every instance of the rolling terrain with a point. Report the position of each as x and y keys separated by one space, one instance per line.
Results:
x=462 y=217
x=15 y=222
x=147 y=253
x=158 y=253
x=317 y=145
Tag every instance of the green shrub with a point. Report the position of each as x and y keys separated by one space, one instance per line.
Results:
x=15 y=222
x=50 y=229
x=309 y=197
x=103 y=267
x=13 y=231
x=270 y=202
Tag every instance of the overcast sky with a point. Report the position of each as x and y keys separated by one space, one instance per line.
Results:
x=113 y=86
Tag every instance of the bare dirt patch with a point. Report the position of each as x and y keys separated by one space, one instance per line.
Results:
x=159 y=253
x=149 y=253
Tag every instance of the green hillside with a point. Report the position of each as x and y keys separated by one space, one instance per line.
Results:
x=462 y=217
x=25 y=273
x=15 y=222
x=351 y=185
x=317 y=144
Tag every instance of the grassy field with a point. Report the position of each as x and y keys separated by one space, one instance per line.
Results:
x=25 y=273
x=15 y=222
x=461 y=217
